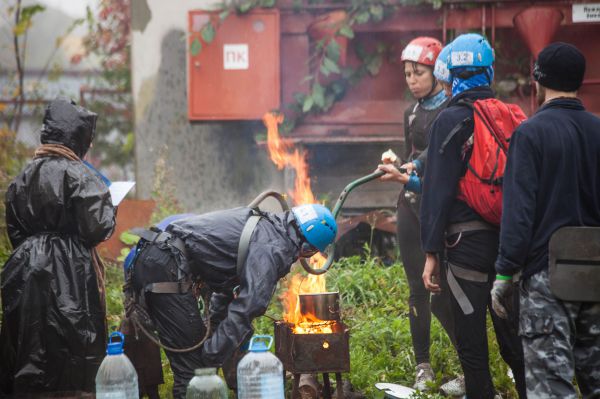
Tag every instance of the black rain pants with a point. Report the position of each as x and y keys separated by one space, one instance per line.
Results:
x=477 y=251
x=176 y=316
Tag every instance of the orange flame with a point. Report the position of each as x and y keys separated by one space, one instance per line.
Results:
x=303 y=323
x=283 y=154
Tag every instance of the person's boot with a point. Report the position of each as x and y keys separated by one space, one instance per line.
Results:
x=424 y=374
x=455 y=387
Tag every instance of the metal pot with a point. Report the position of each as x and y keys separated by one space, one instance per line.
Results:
x=323 y=305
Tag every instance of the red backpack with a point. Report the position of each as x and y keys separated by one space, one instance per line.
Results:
x=481 y=186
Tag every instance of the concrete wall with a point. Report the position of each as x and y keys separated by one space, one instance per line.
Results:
x=212 y=165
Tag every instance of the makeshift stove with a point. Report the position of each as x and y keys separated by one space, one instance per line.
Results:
x=318 y=345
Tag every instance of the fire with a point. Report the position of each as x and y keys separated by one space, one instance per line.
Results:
x=283 y=154
x=303 y=323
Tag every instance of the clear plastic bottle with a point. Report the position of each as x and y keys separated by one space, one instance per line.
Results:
x=260 y=373
x=116 y=378
x=206 y=385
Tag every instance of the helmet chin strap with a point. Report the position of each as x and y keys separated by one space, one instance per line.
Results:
x=428 y=95
x=307 y=250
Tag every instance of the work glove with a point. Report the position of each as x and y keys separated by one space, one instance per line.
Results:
x=502 y=292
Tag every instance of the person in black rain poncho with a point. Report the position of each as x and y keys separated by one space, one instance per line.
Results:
x=239 y=255
x=57 y=210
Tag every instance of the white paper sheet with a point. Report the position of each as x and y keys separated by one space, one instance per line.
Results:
x=119 y=189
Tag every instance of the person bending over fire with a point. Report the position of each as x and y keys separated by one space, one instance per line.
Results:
x=237 y=256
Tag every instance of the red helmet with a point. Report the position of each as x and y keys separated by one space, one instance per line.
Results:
x=422 y=50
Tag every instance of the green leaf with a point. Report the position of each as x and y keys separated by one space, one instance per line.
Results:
x=245 y=6
x=362 y=17
x=195 y=47
x=297 y=5
x=375 y=65
x=30 y=11
x=128 y=238
x=89 y=15
x=223 y=15
x=331 y=65
x=333 y=50
x=127 y=148
x=338 y=88
x=208 y=33
x=267 y=3
x=25 y=18
x=308 y=104
x=307 y=78
x=347 y=31
x=123 y=255
x=324 y=70
x=360 y=51
x=318 y=95
x=299 y=97
x=329 y=100
x=377 y=12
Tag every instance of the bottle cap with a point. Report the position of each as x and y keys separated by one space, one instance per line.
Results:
x=205 y=371
x=115 y=348
x=260 y=343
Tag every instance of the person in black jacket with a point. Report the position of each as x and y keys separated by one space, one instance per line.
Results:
x=453 y=232
x=552 y=180
x=53 y=334
x=207 y=249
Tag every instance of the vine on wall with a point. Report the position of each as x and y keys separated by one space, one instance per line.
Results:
x=330 y=78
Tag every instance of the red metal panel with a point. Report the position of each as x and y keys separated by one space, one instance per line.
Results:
x=132 y=213
x=237 y=75
x=294 y=66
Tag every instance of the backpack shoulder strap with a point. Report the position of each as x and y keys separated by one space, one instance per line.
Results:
x=460 y=125
x=244 y=244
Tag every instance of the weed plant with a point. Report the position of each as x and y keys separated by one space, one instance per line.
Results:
x=374 y=306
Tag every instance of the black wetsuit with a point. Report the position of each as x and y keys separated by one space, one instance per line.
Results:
x=417 y=121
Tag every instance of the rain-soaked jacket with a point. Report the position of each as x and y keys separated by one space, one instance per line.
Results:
x=211 y=242
x=53 y=329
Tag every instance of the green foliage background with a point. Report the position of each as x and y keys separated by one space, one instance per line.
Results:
x=374 y=305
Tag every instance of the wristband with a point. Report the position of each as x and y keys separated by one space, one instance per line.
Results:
x=503 y=277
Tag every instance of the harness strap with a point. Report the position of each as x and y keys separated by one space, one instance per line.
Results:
x=169 y=287
x=468 y=274
x=160 y=236
x=471 y=225
x=245 y=241
x=458 y=293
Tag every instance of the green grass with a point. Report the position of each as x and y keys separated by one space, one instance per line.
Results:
x=374 y=306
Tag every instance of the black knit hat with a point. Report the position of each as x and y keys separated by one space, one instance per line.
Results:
x=560 y=66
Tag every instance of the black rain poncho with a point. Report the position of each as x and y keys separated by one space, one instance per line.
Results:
x=53 y=329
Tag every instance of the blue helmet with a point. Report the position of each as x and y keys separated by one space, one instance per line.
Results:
x=470 y=50
x=317 y=224
x=440 y=70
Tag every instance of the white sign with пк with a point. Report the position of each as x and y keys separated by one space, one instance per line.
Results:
x=235 y=56
x=589 y=12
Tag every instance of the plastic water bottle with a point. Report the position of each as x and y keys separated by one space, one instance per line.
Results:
x=206 y=385
x=116 y=378
x=260 y=373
